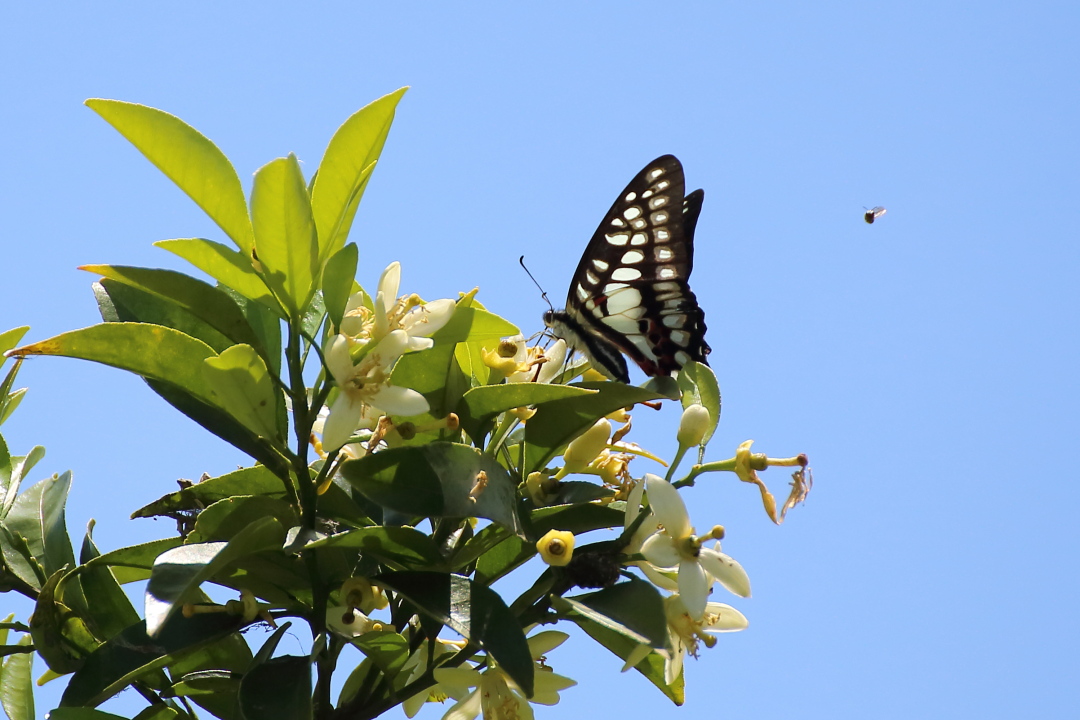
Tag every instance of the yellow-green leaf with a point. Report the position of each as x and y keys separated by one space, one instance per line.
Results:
x=241 y=384
x=346 y=167
x=187 y=158
x=285 y=240
x=227 y=266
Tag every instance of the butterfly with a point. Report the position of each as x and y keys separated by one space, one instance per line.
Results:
x=629 y=294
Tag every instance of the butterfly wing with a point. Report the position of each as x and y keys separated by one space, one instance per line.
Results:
x=631 y=287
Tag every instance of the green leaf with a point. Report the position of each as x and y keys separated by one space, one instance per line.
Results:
x=388 y=650
x=134 y=563
x=577 y=519
x=60 y=636
x=345 y=169
x=133 y=653
x=558 y=422
x=255 y=480
x=503 y=559
x=633 y=608
x=276 y=688
x=338 y=281
x=187 y=158
x=698 y=384
x=473 y=611
x=10 y=339
x=241 y=384
x=178 y=572
x=19 y=559
x=285 y=239
x=109 y=609
x=152 y=351
x=435 y=480
x=16 y=687
x=227 y=266
x=206 y=302
x=480 y=405
x=225 y=518
x=399 y=547
x=216 y=667
x=38 y=516
x=80 y=714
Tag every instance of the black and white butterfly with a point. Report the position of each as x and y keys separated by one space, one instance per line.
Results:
x=630 y=293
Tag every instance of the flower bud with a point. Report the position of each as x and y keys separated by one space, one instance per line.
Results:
x=585 y=448
x=556 y=547
x=693 y=425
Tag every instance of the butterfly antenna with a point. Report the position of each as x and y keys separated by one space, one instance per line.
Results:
x=521 y=261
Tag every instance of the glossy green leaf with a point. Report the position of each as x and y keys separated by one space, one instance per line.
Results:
x=338 y=281
x=558 y=422
x=132 y=653
x=241 y=384
x=577 y=519
x=633 y=608
x=503 y=558
x=229 y=267
x=178 y=572
x=652 y=666
x=472 y=610
x=204 y=301
x=493 y=399
x=108 y=607
x=388 y=650
x=698 y=384
x=10 y=401
x=399 y=547
x=161 y=712
x=10 y=339
x=134 y=563
x=187 y=158
x=255 y=480
x=20 y=468
x=346 y=167
x=152 y=351
x=80 y=714
x=217 y=668
x=60 y=636
x=19 y=559
x=38 y=515
x=285 y=237
x=436 y=480
x=16 y=686
x=225 y=518
x=276 y=688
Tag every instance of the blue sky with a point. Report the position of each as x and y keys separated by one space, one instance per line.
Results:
x=927 y=363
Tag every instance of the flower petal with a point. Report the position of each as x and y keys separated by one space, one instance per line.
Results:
x=429 y=319
x=546 y=687
x=694 y=585
x=466 y=709
x=726 y=571
x=338 y=359
x=344 y=416
x=668 y=506
x=723 y=618
x=389 y=282
x=660 y=550
x=556 y=360
x=544 y=642
x=394 y=400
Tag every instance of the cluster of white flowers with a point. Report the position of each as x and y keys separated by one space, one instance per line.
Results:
x=363 y=353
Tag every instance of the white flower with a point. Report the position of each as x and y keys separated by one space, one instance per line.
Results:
x=495 y=694
x=551 y=361
x=349 y=622
x=419 y=320
x=416 y=666
x=366 y=384
x=685 y=633
x=676 y=546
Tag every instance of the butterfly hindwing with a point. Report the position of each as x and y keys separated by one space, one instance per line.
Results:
x=630 y=289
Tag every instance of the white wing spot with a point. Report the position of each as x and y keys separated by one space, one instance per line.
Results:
x=666 y=273
x=617 y=238
x=680 y=337
x=582 y=293
x=590 y=304
x=663 y=185
x=618 y=222
x=612 y=288
x=631 y=212
x=659 y=218
x=621 y=324
x=663 y=254
x=638 y=224
x=646 y=195
x=591 y=277
x=669 y=296
x=658 y=201
x=673 y=304
x=655 y=173
x=674 y=321
x=665 y=286
x=626 y=274
x=630 y=197
x=682 y=358
x=662 y=235
x=600 y=265
x=633 y=256
x=639 y=239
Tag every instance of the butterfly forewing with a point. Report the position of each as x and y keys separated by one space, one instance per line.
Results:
x=630 y=288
